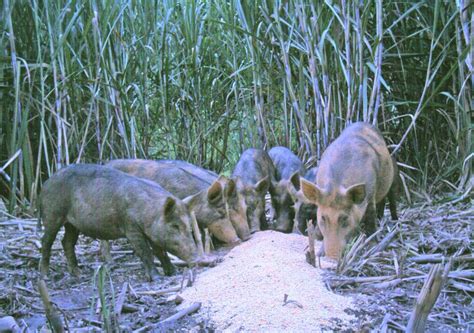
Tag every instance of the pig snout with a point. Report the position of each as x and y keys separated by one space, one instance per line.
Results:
x=241 y=227
x=333 y=247
x=224 y=231
x=189 y=253
x=237 y=241
x=245 y=236
x=283 y=229
x=234 y=242
x=254 y=229
x=283 y=226
x=283 y=223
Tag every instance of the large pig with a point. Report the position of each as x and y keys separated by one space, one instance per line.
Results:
x=235 y=202
x=355 y=173
x=305 y=210
x=254 y=175
x=105 y=203
x=203 y=197
x=288 y=170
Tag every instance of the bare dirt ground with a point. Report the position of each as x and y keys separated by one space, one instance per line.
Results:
x=389 y=272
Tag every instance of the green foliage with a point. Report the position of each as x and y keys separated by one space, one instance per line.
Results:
x=106 y=297
x=86 y=81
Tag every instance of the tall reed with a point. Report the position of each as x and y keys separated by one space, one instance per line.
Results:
x=86 y=81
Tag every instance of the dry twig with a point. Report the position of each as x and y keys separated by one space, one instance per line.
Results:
x=310 y=254
x=197 y=235
x=428 y=296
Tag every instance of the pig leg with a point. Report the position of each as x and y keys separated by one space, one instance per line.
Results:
x=317 y=233
x=380 y=208
x=369 y=221
x=50 y=232
x=161 y=254
x=142 y=250
x=395 y=191
x=263 y=222
x=295 y=229
x=321 y=252
x=301 y=227
x=69 y=241
x=392 y=200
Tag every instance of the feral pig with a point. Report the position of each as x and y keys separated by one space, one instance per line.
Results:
x=203 y=197
x=254 y=175
x=354 y=175
x=105 y=203
x=288 y=168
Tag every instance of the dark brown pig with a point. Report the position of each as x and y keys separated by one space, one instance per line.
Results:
x=105 y=203
x=254 y=175
x=204 y=198
x=355 y=173
x=288 y=170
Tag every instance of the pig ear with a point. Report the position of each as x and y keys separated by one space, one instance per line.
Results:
x=311 y=191
x=214 y=192
x=263 y=185
x=293 y=185
x=230 y=188
x=295 y=180
x=169 y=206
x=222 y=178
x=356 y=193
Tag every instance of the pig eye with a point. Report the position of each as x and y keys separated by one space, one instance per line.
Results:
x=324 y=220
x=343 y=221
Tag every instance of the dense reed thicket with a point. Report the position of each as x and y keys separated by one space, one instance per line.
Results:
x=86 y=81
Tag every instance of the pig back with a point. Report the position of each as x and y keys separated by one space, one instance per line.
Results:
x=311 y=174
x=286 y=162
x=358 y=155
x=172 y=177
x=254 y=165
x=205 y=175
